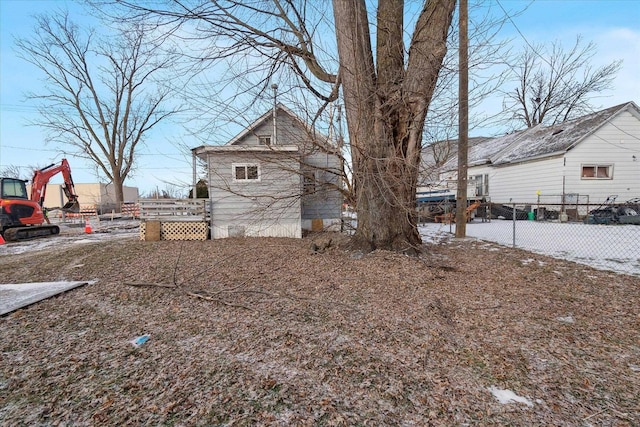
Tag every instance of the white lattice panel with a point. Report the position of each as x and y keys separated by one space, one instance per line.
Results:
x=179 y=230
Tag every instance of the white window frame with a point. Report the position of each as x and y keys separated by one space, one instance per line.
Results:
x=481 y=184
x=265 y=140
x=246 y=167
x=596 y=166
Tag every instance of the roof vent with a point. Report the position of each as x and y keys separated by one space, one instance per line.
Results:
x=557 y=132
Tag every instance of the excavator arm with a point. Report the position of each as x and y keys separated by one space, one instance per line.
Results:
x=41 y=178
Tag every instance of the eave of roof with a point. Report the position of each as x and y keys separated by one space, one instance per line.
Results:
x=540 y=141
x=206 y=149
x=549 y=141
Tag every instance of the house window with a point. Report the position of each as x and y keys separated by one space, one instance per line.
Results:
x=264 y=139
x=597 y=171
x=246 y=172
x=481 y=183
x=308 y=182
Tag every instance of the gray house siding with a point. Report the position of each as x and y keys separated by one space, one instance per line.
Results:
x=298 y=183
x=269 y=206
x=288 y=131
x=324 y=201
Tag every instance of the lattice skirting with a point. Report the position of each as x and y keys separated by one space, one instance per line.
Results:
x=177 y=231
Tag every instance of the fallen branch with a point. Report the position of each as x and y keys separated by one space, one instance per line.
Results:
x=593 y=415
x=150 y=285
x=204 y=297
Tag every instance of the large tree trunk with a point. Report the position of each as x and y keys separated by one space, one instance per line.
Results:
x=118 y=184
x=386 y=106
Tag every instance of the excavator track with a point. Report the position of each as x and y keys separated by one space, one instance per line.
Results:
x=17 y=234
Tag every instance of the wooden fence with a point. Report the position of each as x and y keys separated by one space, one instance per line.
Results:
x=173 y=209
x=148 y=209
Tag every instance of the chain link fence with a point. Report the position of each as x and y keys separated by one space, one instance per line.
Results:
x=604 y=236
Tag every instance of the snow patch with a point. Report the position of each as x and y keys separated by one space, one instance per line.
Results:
x=614 y=250
x=507 y=396
x=566 y=319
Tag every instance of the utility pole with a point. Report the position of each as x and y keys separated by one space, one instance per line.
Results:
x=463 y=122
x=275 y=108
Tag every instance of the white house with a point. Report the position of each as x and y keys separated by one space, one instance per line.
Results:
x=588 y=159
x=276 y=178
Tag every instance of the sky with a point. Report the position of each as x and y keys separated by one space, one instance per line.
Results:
x=613 y=25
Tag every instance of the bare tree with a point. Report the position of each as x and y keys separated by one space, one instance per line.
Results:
x=168 y=192
x=386 y=93
x=386 y=105
x=10 y=171
x=103 y=96
x=556 y=85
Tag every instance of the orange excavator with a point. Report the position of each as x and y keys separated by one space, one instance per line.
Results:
x=22 y=217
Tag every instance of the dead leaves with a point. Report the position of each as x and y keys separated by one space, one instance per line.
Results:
x=260 y=332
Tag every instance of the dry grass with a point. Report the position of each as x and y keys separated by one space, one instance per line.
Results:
x=269 y=332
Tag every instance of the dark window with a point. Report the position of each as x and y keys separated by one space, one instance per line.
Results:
x=246 y=173
x=264 y=139
x=596 y=172
x=309 y=182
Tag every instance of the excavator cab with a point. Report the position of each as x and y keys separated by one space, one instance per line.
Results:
x=19 y=216
x=13 y=188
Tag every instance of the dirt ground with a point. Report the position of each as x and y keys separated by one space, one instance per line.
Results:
x=295 y=332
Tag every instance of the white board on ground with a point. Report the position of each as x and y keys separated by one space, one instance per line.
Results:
x=19 y=295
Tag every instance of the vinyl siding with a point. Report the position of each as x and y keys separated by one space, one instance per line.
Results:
x=274 y=206
x=289 y=132
x=521 y=182
x=615 y=143
x=268 y=207
x=326 y=201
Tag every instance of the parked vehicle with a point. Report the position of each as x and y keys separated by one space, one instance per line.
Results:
x=23 y=217
x=611 y=213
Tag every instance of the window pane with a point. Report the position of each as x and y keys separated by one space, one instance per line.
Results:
x=241 y=172
x=13 y=188
x=603 y=172
x=252 y=172
x=264 y=140
x=588 y=171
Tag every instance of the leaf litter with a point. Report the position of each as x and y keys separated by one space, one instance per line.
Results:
x=302 y=332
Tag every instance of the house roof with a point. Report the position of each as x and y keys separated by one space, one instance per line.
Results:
x=267 y=116
x=436 y=155
x=232 y=145
x=483 y=151
x=540 y=141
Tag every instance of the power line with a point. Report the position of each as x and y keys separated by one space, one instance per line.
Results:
x=533 y=49
x=179 y=153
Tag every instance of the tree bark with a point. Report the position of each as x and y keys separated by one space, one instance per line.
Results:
x=386 y=107
x=118 y=184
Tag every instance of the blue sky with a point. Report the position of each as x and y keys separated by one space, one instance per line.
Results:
x=614 y=25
